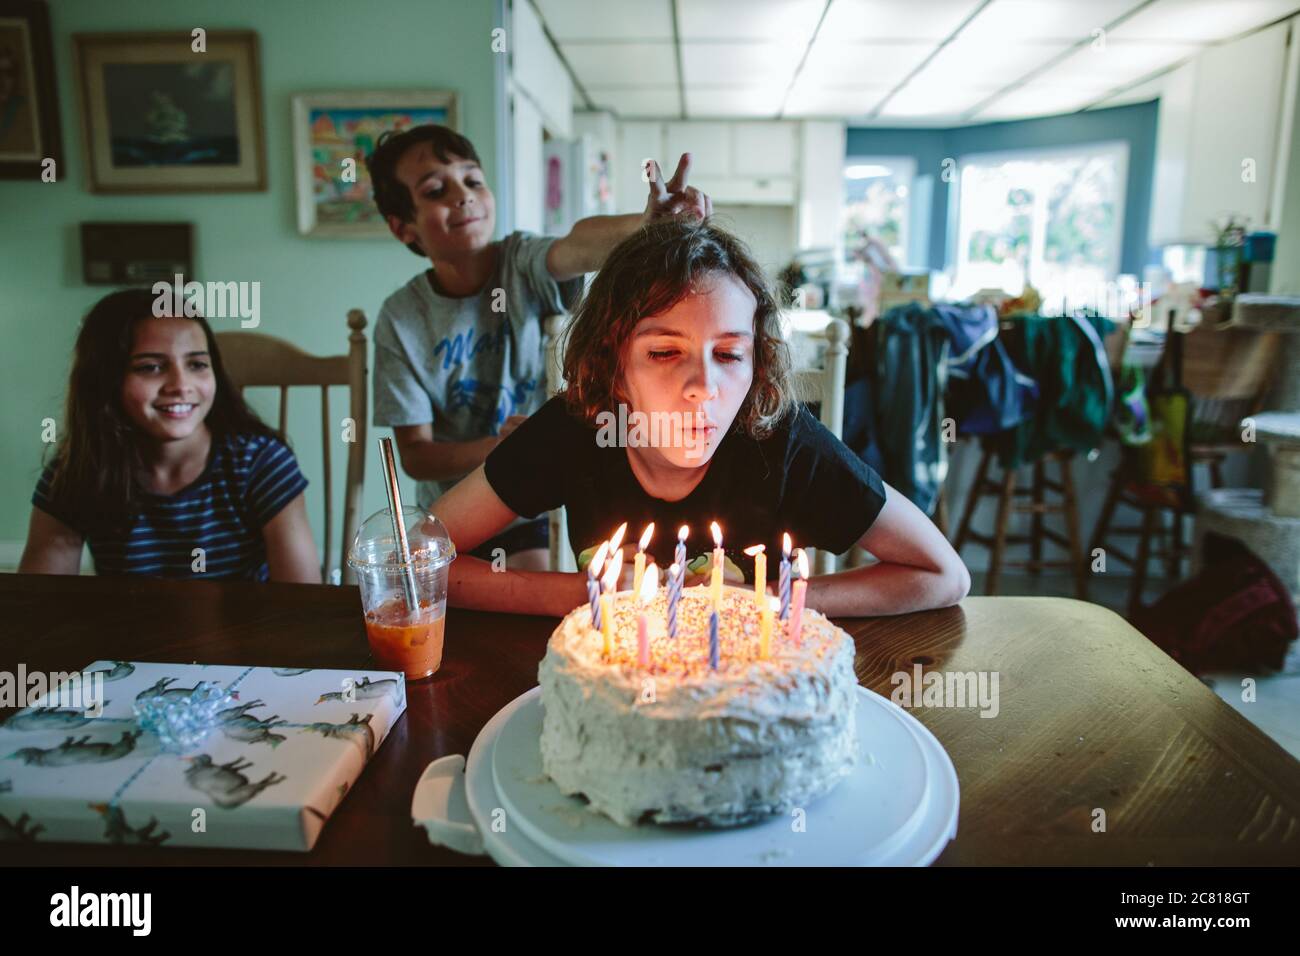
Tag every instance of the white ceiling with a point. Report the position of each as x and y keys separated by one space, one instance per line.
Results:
x=882 y=62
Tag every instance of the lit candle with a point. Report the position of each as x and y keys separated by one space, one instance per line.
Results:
x=718 y=558
x=713 y=639
x=800 y=590
x=759 y=555
x=784 y=579
x=593 y=585
x=615 y=541
x=610 y=580
x=638 y=563
x=680 y=554
x=769 y=605
x=675 y=575
x=607 y=614
x=646 y=594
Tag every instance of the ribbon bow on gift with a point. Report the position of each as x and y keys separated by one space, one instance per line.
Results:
x=181 y=723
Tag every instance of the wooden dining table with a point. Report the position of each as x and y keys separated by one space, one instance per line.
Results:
x=1103 y=750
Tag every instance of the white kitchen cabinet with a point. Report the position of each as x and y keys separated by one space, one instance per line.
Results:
x=1217 y=146
x=637 y=141
x=753 y=163
x=749 y=190
x=764 y=149
x=536 y=70
x=708 y=143
x=821 y=184
x=750 y=163
x=529 y=166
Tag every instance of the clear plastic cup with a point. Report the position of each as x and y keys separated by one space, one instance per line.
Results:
x=401 y=638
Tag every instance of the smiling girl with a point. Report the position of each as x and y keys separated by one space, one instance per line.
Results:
x=680 y=323
x=163 y=469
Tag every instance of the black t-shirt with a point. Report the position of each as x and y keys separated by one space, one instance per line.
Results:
x=799 y=479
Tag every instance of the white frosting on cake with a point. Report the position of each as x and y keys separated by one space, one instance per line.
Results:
x=680 y=742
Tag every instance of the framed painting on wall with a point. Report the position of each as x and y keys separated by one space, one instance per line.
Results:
x=329 y=129
x=169 y=112
x=29 y=104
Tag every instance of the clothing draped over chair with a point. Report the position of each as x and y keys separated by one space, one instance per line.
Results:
x=1038 y=384
x=1066 y=357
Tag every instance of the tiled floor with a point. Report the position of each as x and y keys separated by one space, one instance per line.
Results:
x=1276 y=707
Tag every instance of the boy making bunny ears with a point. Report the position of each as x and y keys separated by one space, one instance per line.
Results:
x=459 y=361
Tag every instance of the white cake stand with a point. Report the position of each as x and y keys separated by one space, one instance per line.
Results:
x=897 y=808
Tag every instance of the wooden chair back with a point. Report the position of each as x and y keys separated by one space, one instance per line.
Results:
x=552 y=334
x=825 y=386
x=1228 y=370
x=255 y=360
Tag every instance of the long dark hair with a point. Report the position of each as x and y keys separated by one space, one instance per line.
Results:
x=647 y=274
x=98 y=463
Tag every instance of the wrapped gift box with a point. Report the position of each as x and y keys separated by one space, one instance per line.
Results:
x=267 y=776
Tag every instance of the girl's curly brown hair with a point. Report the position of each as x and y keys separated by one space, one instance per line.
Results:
x=647 y=274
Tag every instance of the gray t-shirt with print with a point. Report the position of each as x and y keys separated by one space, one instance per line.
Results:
x=460 y=364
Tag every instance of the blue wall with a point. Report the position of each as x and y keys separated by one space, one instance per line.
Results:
x=1134 y=125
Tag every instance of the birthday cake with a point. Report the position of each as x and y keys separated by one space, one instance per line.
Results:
x=676 y=740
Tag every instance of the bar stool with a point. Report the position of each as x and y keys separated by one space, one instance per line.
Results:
x=1007 y=493
x=1228 y=372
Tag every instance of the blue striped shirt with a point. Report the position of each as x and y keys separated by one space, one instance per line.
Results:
x=247 y=482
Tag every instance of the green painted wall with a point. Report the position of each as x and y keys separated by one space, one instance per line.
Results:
x=307 y=285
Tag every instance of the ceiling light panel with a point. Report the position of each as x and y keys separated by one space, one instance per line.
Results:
x=784 y=21
x=641 y=20
x=622 y=64
x=862 y=20
x=1200 y=21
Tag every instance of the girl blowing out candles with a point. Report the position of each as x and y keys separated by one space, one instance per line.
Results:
x=679 y=327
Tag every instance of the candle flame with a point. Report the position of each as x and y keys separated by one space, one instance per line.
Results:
x=615 y=567
x=754 y=550
x=674 y=570
x=646 y=535
x=682 y=532
x=803 y=564
x=649 y=583
x=615 y=541
x=598 y=561
x=785 y=544
x=717 y=534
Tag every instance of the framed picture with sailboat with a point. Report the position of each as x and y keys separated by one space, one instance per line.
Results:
x=171 y=112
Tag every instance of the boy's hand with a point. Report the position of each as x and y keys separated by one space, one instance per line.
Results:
x=694 y=579
x=674 y=198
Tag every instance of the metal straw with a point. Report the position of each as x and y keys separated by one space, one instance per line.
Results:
x=399 y=523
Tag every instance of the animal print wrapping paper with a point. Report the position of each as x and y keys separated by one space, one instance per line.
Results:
x=267 y=776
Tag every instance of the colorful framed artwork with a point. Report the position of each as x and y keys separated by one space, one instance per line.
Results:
x=172 y=112
x=334 y=196
x=29 y=104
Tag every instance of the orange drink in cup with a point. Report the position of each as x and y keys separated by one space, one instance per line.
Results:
x=401 y=639
x=404 y=642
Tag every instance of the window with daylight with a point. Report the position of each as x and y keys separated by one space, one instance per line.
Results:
x=1052 y=219
x=877 y=198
